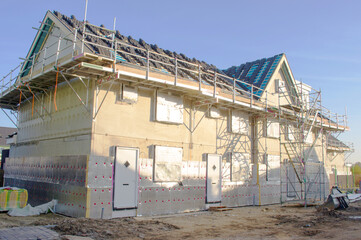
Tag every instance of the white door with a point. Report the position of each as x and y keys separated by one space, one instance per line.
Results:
x=125 y=178
x=214 y=178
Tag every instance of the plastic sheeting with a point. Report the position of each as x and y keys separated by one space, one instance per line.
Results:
x=28 y=210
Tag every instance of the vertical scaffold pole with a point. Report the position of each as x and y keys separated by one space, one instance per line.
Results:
x=251 y=95
x=114 y=44
x=345 y=116
x=74 y=42
x=267 y=101
x=147 y=76
x=199 y=77
x=175 y=71
x=84 y=22
x=44 y=58
x=280 y=144
x=215 y=83
x=323 y=186
x=234 y=90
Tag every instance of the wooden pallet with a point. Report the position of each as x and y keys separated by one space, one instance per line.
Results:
x=219 y=209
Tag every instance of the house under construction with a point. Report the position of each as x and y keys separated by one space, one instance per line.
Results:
x=111 y=126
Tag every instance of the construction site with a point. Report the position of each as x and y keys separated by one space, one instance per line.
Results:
x=113 y=127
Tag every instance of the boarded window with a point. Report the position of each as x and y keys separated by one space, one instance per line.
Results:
x=128 y=94
x=240 y=166
x=169 y=108
x=273 y=167
x=167 y=164
x=291 y=133
x=214 y=113
x=272 y=129
x=238 y=122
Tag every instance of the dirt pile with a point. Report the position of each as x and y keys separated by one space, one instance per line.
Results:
x=124 y=228
x=322 y=212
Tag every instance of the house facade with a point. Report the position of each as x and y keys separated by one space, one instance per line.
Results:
x=111 y=127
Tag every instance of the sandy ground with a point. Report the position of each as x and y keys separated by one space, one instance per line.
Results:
x=267 y=222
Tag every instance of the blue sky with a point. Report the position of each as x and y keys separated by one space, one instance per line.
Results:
x=322 y=39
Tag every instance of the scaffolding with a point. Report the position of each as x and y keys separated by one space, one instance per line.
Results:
x=89 y=52
x=303 y=136
x=39 y=77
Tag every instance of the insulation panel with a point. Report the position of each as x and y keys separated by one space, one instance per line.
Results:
x=167 y=163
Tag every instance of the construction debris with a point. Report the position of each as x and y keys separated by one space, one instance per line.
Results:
x=336 y=200
x=354 y=197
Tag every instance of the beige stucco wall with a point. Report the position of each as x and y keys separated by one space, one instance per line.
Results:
x=133 y=125
x=43 y=131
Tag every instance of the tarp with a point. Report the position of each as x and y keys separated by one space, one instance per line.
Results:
x=28 y=210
